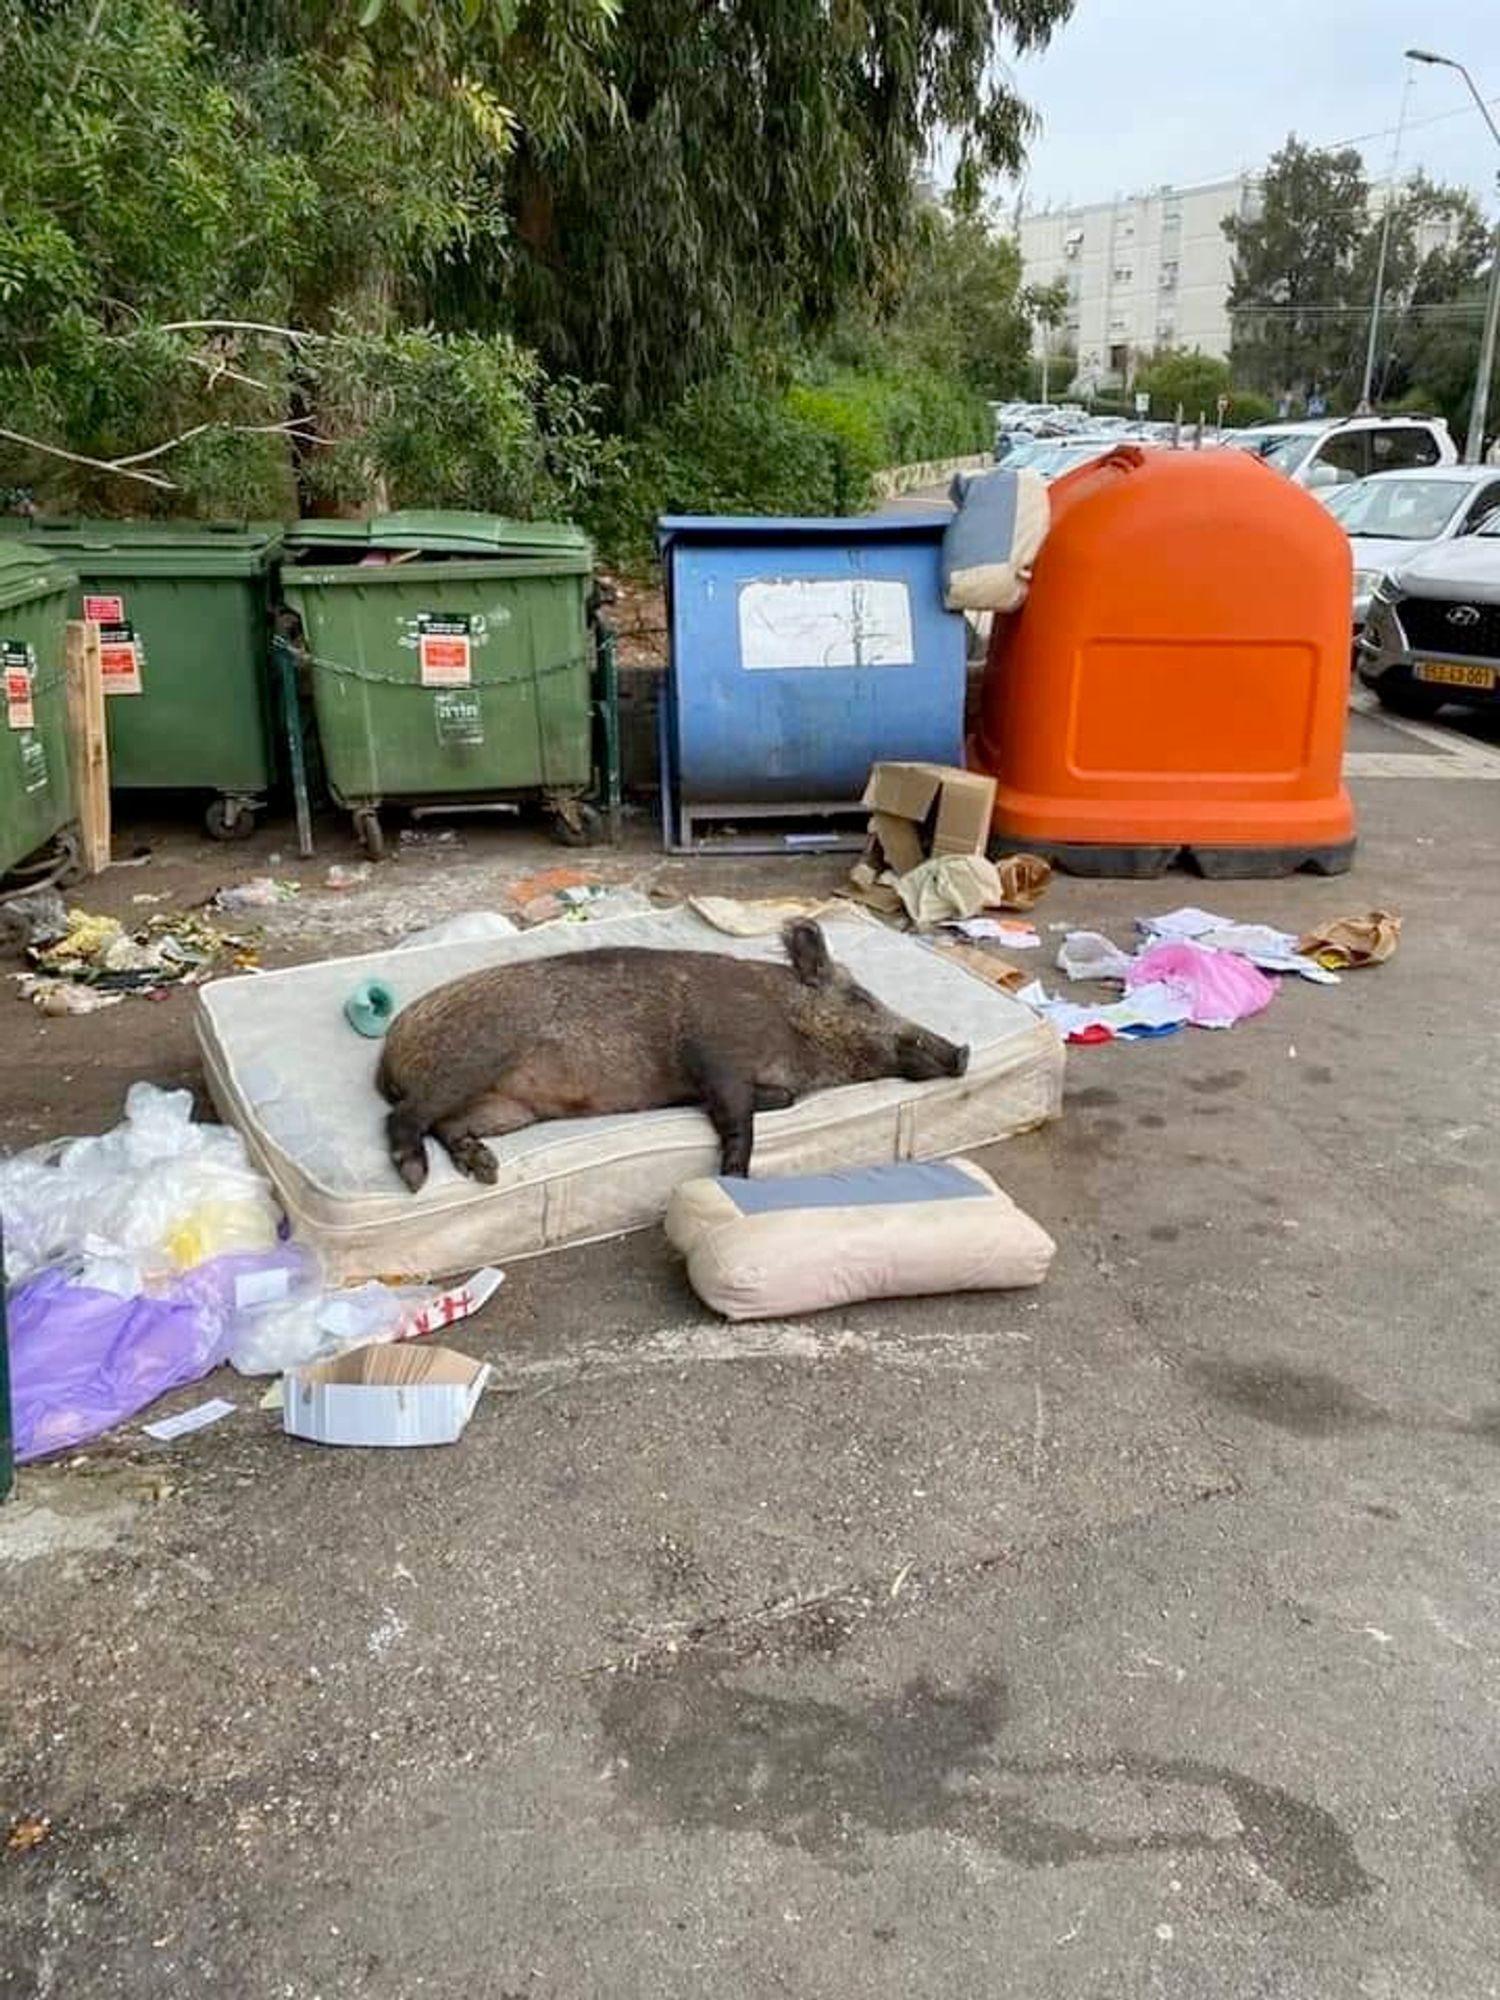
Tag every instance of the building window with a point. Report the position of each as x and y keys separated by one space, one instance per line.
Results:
x=1122 y=274
x=1168 y=279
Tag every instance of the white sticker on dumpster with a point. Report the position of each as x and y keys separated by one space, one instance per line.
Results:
x=119 y=659
x=826 y=622
x=15 y=659
x=444 y=653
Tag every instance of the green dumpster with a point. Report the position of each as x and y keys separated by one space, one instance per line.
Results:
x=451 y=662
x=36 y=790
x=183 y=609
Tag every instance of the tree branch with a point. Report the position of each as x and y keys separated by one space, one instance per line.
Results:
x=99 y=464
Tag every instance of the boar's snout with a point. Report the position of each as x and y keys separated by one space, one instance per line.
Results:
x=923 y=1056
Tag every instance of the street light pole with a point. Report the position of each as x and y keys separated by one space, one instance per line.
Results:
x=1367 y=386
x=1479 y=410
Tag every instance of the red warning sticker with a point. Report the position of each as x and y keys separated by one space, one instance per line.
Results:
x=119 y=659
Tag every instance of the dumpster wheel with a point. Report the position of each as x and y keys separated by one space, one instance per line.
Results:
x=368 y=832
x=229 y=818
x=575 y=823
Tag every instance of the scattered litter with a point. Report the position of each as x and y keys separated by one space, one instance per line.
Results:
x=1353 y=941
x=370 y=1008
x=384 y=1396
x=27 y=1831
x=997 y=930
x=1219 y=988
x=98 y=954
x=149 y=897
x=469 y=927
x=984 y=964
x=1090 y=955
x=424 y=836
x=948 y=886
x=303 y=1323
x=347 y=875
x=261 y=892
x=186 y=1421
x=37 y=918
x=56 y=996
x=1270 y=949
x=925 y=811
x=159 y=1189
x=1146 y=1014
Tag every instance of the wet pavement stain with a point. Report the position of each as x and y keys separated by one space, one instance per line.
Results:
x=1477 y=1831
x=1304 y=1400
x=694 y=1751
x=1164 y=1232
x=1220 y=1081
x=1151 y=1121
x=1093 y=1098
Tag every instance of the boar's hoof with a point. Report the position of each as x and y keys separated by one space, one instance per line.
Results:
x=473 y=1157
x=412 y=1168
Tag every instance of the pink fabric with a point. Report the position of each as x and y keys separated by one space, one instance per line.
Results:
x=1220 y=987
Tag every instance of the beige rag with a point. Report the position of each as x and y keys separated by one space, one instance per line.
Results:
x=1352 y=941
x=757 y=918
x=961 y=885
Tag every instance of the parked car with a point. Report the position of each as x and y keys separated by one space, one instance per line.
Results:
x=1392 y=516
x=1433 y=634
x=1326 y=453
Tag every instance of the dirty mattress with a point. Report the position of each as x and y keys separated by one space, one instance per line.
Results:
x=286 y=1069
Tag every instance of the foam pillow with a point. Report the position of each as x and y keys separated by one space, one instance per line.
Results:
x=776 y=1248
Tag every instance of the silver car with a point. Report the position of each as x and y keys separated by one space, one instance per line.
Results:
x=1392 y=516
x=1433 y=634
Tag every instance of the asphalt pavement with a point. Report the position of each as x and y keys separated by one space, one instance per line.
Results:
x=1139 y=1637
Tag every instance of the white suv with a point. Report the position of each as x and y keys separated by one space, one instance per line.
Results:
x=1335 y=451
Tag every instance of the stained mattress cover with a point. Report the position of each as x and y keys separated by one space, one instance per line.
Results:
x=286 y=1069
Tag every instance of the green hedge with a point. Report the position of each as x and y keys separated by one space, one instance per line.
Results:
x=748 y=442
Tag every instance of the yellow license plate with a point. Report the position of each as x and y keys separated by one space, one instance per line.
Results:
x=1446 y=674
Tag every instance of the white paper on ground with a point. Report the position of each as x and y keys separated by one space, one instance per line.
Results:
x=167 y=1428
x=1266 y=947
x=996 y=930
x=1153 y=1006
x=1188 y=922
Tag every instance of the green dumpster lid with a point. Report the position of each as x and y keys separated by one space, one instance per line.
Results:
x=195 y=548
x=26 y=573
x=443 y=533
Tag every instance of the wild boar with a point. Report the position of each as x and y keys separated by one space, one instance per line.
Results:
x=615 y=1030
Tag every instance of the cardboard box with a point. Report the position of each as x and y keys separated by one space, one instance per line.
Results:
x=920 y=811
x=384 y=1394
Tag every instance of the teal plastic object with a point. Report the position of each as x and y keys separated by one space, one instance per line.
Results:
x=370 y=1008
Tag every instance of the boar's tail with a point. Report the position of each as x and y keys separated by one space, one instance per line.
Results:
x=406 y=1135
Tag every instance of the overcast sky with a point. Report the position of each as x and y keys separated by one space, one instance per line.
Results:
x=1136 y=92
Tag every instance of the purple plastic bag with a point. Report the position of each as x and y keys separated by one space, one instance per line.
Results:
x=83 y=1360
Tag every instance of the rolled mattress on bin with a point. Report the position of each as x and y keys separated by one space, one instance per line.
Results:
x=286 y=1069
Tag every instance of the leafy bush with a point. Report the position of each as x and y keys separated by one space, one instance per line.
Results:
x=746 y=442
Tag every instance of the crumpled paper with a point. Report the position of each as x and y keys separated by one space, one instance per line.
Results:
x=1353 y=941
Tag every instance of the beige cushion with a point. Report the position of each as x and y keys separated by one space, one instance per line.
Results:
x=775 y=1249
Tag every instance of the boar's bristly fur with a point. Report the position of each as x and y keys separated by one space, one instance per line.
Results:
x=630 y=1029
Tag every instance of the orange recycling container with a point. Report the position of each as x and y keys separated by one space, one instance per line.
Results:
x=1176 y=685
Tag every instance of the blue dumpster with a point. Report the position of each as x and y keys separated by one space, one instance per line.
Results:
x=802 y=652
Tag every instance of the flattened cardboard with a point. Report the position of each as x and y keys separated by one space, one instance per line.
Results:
x=384 y=1394
x=900 y=841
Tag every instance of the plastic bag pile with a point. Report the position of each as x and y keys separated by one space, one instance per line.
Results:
x=139 y=1260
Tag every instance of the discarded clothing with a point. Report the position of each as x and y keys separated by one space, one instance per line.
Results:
x=1220 y=989
x=1353 y=941
x=1150 y=1011
x=948 y=886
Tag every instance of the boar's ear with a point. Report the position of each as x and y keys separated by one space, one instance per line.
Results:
x=807 y=948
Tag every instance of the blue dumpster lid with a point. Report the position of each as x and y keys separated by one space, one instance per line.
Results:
x=26 y=573
x=438 y=531
x=923 y=527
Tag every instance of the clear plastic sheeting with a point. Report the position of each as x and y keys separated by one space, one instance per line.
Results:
x=160 y=1193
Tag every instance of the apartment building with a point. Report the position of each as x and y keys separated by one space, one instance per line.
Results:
x=1151 y=270
x=1147 y=271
